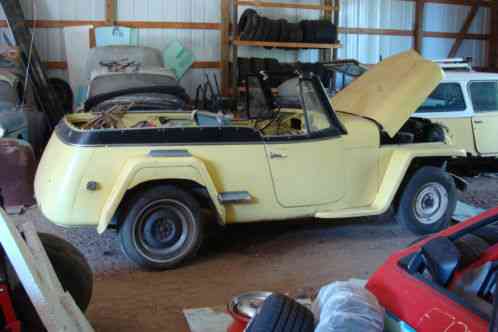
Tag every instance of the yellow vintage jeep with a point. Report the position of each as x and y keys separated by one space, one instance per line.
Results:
x=347 y=158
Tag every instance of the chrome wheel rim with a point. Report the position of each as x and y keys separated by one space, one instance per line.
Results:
x=431 y=203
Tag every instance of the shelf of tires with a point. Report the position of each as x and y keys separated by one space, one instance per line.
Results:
x=255 y=30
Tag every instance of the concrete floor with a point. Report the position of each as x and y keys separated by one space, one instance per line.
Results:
x=295 y=258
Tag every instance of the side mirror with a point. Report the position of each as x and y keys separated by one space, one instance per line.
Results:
x=441 y=257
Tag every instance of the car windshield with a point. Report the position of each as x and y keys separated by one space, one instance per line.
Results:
x=463 y=266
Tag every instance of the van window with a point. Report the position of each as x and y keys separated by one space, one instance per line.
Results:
x=484 y=96
x=448 y=97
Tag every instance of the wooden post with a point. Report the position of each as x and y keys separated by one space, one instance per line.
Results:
x=110 y=12
x=463 y=31
x=225 y=47
x=493 y=38
x=326 y=55
x=419 y=25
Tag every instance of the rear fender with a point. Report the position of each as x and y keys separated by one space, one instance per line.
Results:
x=141 y=170
x=398 y=164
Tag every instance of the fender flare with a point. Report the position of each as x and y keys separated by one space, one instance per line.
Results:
x=145 y=169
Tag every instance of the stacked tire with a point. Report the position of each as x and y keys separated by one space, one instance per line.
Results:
x=255 y=27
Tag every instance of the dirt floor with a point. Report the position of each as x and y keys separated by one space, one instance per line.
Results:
x=295 y=258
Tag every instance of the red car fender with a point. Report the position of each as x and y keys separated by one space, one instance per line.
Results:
x=421 y=305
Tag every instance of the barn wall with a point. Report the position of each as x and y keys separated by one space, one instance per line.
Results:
x=385 y=14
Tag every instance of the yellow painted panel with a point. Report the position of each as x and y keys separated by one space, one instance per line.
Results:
x=391 y=91
x=486 y=134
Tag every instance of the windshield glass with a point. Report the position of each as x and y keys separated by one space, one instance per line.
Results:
x=315 y=112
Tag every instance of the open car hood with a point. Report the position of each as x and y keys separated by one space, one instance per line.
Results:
x=391 y=91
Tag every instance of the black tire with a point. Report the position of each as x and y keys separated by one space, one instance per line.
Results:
x=245 y=23
x=280 y=313
x=325 y=32
x=73 y=271
x=427 y=201
x=261 y=29
x=162 y=228
x=284 y=31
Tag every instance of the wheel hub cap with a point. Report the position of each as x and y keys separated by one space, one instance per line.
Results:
x=431 y=203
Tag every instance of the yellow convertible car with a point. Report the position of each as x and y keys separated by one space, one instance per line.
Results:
x=150 y=173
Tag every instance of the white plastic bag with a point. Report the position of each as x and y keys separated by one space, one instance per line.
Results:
x=346 y=307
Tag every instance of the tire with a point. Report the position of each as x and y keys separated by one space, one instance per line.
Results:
x=427 y=201
x=73 y=271
x=280 y=313
x=284 y=31
x=162 y=228
x=245 y=23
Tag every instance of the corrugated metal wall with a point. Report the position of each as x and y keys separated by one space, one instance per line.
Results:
x=385 y=14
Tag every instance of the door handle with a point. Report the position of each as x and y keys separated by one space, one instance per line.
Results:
x=276 y=155
x=478 y=121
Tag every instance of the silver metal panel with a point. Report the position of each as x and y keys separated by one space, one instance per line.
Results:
x=234 y=197
x=169 y=153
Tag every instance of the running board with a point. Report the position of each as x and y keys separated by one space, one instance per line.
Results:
x=349 y=213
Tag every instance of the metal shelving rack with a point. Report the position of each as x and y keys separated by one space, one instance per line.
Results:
x=329 y=9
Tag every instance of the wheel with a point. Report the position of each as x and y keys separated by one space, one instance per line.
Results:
x=428 y=201
x=73 y=271
x=162 y=228
x=245 y=24
x=280 y=313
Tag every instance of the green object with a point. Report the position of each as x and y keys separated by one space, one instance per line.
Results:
x=179 y=58
x=112 y=36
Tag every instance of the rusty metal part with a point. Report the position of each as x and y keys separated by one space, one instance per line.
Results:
x=109 y=119
x=18 y=172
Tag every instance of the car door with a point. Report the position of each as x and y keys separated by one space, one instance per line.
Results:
x=484 y=96
x=308 y=169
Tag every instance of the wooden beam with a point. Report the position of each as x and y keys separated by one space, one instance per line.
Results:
x=463 y=31
x=225 y=47
x=110 y=12
x=481 y=3
x=493 y=40
x=62 y=65
x=419 y=25
x=410 y=33
x=170 y=25
x=285 y=5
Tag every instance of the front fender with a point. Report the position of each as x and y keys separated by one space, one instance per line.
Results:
x=141 y=170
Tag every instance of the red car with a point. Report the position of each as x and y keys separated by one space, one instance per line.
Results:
x=445 y=282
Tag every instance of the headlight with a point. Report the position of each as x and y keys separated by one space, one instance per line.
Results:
x=2 y=132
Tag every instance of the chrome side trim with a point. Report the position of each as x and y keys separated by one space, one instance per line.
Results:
x=234 y=197
x=169 y=153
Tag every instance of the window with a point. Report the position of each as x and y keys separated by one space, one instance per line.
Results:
x=484 y=96
x=315 y=112
x=447 y=97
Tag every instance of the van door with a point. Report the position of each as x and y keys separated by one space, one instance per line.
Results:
x=484 y=96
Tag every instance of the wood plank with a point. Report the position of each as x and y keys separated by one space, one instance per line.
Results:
x=410 y=33
x=463 y=31
x=419 y=25
x=459 y=2
x=110 y=12
x=225 y=47
x=493 y=41
x=170 y=25
x=258 y=43
x=62 y=65
x=268 y=4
